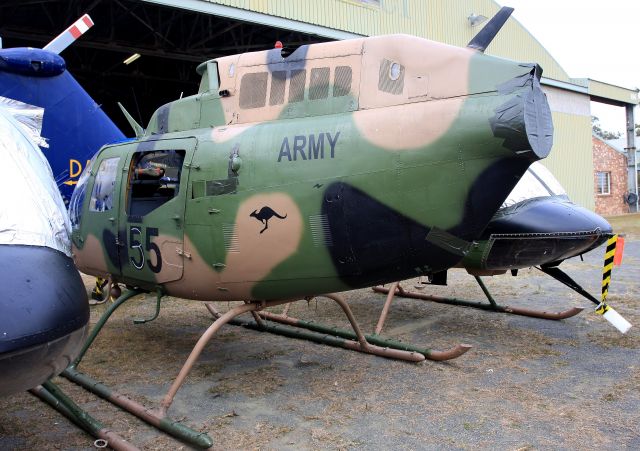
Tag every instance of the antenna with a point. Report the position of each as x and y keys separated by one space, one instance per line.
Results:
x=484 y=37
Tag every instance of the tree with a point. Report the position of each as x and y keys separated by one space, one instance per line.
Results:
x=606 y=134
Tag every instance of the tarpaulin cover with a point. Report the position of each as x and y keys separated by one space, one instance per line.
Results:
x=28 y=116
x=31 y=209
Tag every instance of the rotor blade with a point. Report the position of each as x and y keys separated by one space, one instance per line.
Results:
x=66 y=38
x=484 y=37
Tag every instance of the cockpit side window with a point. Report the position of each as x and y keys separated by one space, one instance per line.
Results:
x=154 y=179
x=104 y=185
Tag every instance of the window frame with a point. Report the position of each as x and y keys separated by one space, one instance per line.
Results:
x=134 y=162
x=107 y=171
x=600 y=183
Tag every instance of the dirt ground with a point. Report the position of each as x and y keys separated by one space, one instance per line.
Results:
x=526 y=384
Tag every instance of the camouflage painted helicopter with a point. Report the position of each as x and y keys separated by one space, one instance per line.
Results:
x=290 y=174
x=286 y=176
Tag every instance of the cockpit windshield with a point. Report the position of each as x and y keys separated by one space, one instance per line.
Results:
x=538 y=181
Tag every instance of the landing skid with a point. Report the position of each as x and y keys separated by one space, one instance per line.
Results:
x=493 y=306
x=354 y=340
x=52 y=395
x=157 y=417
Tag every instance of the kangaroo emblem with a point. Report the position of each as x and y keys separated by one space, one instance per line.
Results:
x=264 y=215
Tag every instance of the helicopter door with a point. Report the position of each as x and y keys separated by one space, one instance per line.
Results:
x=152 y=210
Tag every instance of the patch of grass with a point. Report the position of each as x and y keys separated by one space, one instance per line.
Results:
x=629 y=223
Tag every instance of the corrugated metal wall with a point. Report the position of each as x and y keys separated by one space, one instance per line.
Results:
x=439 y=20
x=571 y=159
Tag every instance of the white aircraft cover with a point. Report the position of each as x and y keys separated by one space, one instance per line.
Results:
x=29 y=117
x=31 y=208
x=538 y=181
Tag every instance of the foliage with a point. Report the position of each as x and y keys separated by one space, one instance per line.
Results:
x=605 y=134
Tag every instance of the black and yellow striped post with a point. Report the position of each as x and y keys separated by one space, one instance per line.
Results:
x=606 y=273
x=603 y=309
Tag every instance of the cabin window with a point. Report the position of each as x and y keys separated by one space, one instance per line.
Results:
x=154 y=179
x=603 y=183
x=253 y=90
x=391 y=77
x=342 y=81
x=296 y=87
x=104 y=185
x=278 y=83
x=319 y=83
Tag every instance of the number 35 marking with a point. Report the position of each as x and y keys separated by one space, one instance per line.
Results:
x=134 y=243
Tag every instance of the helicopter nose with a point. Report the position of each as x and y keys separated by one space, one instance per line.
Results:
x=44 y=315
x=541 y=231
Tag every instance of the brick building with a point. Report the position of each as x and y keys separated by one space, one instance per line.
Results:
x=610 y=178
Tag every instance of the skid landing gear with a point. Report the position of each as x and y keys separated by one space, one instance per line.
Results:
x=52 y=395
x=157 y=417
x=355 y=340
x=397 y=290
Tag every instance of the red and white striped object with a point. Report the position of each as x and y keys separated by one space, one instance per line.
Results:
x=66 y=38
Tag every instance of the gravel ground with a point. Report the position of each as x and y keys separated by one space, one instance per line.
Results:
x=526 y=384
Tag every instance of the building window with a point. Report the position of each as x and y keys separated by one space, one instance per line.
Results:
x=603 y=183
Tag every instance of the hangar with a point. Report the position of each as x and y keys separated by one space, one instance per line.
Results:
x=173 y=36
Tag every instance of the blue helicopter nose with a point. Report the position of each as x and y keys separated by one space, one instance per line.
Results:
x=44 y=315
x=542 y=231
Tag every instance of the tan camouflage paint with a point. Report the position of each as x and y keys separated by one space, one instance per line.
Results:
x=223 y=134
x=441 y=75
x=258 y=253
x=232 y=68
x=91 y=258
x=172 y=264
x=446 y=69
x=418 y=124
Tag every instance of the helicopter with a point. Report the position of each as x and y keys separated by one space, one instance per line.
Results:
x=44 y=311
x=73 y=126
x=300 y=172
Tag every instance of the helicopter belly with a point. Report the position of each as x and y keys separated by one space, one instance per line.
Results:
x=44 y=315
